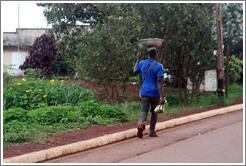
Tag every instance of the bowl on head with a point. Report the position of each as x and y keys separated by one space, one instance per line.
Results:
x=151 y=42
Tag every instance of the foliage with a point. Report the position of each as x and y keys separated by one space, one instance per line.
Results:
x=172 y=100
x=109 y=63
x=235 y=69
x=102 y=40
x=31 y=94
x=70 y=22
x=7 y=69
x=43 y=54
x=93 y=109
x=37 y=125
x=32 y=74
x=233 y=27
x=189 y=43
x=21 y=125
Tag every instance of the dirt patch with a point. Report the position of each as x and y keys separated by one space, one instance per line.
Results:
x=83 y=134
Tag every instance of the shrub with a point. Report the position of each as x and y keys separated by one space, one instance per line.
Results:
x=17 y=131
x=15 y=114
x=43 y=54
x=172 y=100
x=55 y=114
x=93 y=109
x=235 y=70
x=7 y=73
x=21 y=125
x=38 y=93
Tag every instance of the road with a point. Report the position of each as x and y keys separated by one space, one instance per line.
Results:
x=218 y=139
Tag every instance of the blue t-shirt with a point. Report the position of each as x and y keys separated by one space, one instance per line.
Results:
x=149 y=86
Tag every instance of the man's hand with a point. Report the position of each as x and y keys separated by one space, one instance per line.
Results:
x=161 y=100
x=159 y=86
x=139 y=55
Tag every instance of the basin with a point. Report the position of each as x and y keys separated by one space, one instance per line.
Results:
x=152 y=42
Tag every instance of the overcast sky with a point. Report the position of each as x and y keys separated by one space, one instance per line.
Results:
x=31 y=16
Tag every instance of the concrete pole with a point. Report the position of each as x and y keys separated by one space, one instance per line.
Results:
x=227 y=69
x=18 y=31
x=220 y=50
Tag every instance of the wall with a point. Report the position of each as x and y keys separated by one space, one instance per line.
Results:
x=27 y=37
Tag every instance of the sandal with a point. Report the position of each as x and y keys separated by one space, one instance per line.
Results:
x=141 y=128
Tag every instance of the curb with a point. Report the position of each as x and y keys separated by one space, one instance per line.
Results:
x=111 y=138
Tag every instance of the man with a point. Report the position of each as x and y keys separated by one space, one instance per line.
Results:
x=151 y=90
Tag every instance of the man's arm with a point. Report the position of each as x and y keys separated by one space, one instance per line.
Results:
x=139 y=55
x=159 y=86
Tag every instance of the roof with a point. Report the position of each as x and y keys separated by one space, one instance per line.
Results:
x=27 y=36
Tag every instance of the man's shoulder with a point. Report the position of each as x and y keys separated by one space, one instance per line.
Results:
x=159 y=64
x=147 y=61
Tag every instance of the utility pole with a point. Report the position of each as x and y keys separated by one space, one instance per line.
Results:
x=18 y=31
x=227 y=69
x=220 y=50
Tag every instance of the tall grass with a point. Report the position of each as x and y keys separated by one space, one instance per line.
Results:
x=66 y=107
x=205 y=101
x=34 y=109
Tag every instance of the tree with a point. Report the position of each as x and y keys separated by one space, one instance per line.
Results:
x=233 y=27
x=106 y=53
x=115 y=30
x=43 y=56
x=187 y=33
x=235 y=70
x=69 y=22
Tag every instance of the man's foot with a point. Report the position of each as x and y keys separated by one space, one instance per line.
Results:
x=153 y=135
x=141 y=128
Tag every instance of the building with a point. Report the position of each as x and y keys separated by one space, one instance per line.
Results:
x=16 y=46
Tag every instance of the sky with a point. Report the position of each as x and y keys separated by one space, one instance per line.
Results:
x=30 y=15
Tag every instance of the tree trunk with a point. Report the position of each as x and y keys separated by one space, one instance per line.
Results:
x=185 y=81
x=180 y=88
x=107 y=94
x=192 y=93
x=220 y=50
x=185 y=93
x=180 y=73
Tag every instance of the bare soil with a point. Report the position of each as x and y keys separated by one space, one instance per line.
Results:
x=84 y=134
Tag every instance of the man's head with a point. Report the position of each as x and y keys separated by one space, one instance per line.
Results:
x=152 y=51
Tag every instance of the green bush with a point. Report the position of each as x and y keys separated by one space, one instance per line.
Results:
x=32 y=94
x=19 y=114
x=7 y=73
x=172 y=100
x=21 y=125
x=235 y=69
x=54 y=114
x=17 y=131
x=93 y=108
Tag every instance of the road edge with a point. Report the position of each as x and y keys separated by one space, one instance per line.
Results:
x=59 y=151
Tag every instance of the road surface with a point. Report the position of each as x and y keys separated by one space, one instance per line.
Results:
x=218 y=139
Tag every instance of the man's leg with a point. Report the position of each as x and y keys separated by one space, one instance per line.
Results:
x=154 y=102
x=143 y=116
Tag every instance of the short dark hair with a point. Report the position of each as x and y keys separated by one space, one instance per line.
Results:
x=152 y=52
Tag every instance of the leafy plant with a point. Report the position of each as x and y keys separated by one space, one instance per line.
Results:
x=55 y=114
x=235 y=69
x=93 y=109
x=7 y=69
x=42 y=54
x=37 y=125
x=31 y=94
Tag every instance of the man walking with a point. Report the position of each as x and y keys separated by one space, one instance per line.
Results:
x=151 y=89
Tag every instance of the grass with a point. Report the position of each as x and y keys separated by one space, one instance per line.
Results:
x=205 y=101
x=37 y=125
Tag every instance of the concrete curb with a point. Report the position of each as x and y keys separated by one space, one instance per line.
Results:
x=104 y=140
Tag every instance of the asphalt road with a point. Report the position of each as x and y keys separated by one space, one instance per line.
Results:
x=218 y=139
